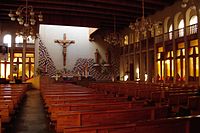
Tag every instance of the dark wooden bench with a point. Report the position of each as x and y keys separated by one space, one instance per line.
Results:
x=171 y=125
x=94 y=118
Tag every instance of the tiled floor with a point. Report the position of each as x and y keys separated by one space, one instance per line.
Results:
x=31 y=118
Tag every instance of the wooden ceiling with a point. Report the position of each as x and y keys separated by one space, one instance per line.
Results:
x=89 y=13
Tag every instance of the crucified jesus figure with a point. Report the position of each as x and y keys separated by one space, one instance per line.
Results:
x=64 y=44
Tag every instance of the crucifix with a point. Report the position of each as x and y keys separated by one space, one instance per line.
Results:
x=64 y=44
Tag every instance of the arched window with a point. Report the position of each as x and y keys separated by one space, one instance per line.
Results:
x=181 y=28
x=19 y=39
x=7 y=39
x=193 y=20
x=170 y=32
x=193 y=24
x=30 y=39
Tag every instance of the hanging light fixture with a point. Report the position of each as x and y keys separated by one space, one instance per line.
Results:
x=113 y=38
x=142 y=25
x=184 y=3
x=26 y=17
x=26 y=32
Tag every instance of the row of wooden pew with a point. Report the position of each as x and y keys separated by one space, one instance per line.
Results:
x=11 y=95
x=71 y=106
x=118 y=108
x=174 y=96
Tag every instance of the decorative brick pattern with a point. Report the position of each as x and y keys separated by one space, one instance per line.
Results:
x=99 y=72
x=45 y=61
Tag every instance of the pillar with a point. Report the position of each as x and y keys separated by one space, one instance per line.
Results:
x=24 y=59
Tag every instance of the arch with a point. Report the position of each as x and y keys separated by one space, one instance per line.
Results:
x=177 y=19
x=191 y=11
x=7 y=39
x=166 y=24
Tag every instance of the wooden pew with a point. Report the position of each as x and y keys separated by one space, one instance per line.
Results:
x=0 y=126
x=10 y=98
x=94 y=118
x=5 y=114
x=55 y=110
x=84 y=100
x=171 y=125
x=194 y=104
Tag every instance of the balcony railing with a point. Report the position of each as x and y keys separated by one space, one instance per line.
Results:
x=168 y=36
x=179 y=33
x=190 y=30
x=28 y=45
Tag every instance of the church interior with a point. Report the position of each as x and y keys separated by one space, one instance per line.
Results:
x=99 y=66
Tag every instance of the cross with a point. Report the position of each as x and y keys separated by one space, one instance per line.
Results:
x=64 y=44
x=56 y=77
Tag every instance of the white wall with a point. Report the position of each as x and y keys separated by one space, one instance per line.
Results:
x=82 y=48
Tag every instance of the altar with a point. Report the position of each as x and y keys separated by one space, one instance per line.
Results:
x=66 y=77
x=71 y=77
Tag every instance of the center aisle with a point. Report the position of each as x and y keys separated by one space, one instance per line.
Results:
x=31 y=118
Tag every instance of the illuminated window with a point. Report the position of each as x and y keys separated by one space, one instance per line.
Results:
x=193 y=20
x=160 y=49
x=158 y=55
x=193 y=60
x=181 y=45
x=196 y=50
x=183 y=69
x=179 y=67
x=191 y=67
x=167 y=63
x=7 y=39
x=190 y=51
x=193 y=26
x=172 y=68
x=30 y=39
x=183 y=52
x=7 y=71
x=159 y=68
x=168 y=54
x=194 y=43
x=178 y=52
x=180 y=27
x=19 y=39
x=163 y=63
x=197 y=66
x=17 y=54
x=170 y=32
x=137 y=73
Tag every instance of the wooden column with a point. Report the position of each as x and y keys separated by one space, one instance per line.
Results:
x=198 y=32
x=12 y=58
x=186 y=52
x=174 y=52
x=134 y=61
x=155 y=59
x=164 y=54
x=24 y=59
x=147 y=58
